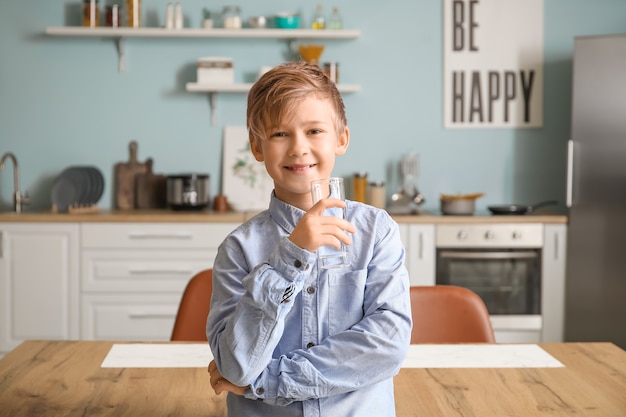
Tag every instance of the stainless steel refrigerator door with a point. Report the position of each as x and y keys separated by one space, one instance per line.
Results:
x=596 y=262
x=599 y=121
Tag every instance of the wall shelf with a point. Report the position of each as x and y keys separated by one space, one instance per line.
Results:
x=118 y=35
x=125 y=32
x=245 y=87
x=213 y=89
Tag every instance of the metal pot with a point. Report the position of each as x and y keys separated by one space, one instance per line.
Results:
x=188 y=191
x=459 y=204
x=459 y=207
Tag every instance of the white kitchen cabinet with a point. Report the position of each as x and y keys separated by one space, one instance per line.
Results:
x=39 y=284
x=419 y=243
x=133 y=275
x=130 y=317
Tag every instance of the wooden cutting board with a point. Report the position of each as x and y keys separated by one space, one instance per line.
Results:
x=150 y=189
x=125 y=178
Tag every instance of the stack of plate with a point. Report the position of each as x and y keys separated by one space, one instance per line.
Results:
x=79 y=186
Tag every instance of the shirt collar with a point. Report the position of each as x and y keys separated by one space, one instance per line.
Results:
x=284 y=214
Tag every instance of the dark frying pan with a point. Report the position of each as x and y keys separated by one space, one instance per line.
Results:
x=517 y=209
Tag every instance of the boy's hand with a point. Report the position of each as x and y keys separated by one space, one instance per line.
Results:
x=315 y=229
x=220 y=384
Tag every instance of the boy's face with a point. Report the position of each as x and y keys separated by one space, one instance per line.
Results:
x=301 y=150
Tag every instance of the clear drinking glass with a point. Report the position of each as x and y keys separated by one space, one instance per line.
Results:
x=331 y=257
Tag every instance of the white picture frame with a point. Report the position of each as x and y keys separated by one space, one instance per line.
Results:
x=245 y=182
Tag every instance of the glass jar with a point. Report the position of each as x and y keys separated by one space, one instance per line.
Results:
x=133 y=13
x=376 y=195
x=91 y=13
x=231 y=17
x=359 y=186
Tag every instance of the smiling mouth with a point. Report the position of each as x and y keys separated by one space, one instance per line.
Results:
x=299 y=168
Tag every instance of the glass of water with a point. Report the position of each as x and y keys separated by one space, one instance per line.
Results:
x=331 y=257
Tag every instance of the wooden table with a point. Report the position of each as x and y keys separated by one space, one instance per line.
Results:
x=61 y=378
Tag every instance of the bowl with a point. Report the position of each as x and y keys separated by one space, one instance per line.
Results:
x=287 y=20
x=257 y=22
x=311 y=53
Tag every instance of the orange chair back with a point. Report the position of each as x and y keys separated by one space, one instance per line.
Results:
x=449 y=314
x=190 y=324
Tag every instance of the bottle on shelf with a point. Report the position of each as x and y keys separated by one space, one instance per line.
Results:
x=178 y=16
x=113 y=16
x=91 y=13
x=335 y=21
x=133 y=13
x=319 y=21
x=169 y=16
x=331 y=69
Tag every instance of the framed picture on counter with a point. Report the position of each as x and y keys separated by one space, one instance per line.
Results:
x=245 y=182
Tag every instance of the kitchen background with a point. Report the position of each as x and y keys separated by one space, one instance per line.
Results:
x=63 y=102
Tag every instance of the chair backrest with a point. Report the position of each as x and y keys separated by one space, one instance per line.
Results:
x=449 y=314
x=190 y=324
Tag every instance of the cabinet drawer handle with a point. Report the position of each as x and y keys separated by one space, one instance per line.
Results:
x=147 y=235
x=140 y=314
x=489 y=255
x=140 y=271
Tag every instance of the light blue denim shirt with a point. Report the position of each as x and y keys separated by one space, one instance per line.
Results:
x=309 y=341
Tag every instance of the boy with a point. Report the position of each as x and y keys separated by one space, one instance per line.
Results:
x=290 y=338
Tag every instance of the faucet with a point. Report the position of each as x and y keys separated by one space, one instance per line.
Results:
x=18 y=198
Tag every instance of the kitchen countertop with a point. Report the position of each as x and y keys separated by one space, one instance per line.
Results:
x=169 y=216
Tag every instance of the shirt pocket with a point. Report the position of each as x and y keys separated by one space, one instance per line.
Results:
x=345 y=299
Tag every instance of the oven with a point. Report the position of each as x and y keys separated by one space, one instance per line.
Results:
x=502 y=264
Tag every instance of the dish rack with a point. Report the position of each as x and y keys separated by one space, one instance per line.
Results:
x=77 y=190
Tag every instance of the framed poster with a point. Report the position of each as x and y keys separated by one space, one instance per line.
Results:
x=493 y=63
x=245 y=182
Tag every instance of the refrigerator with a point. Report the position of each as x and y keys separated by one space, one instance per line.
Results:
x=595 y=295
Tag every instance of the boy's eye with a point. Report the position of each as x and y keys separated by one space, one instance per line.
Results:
x=277 y=136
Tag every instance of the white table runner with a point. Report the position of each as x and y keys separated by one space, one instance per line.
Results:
x=198 y=355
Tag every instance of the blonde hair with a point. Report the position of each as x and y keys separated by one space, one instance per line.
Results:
x=274 y=97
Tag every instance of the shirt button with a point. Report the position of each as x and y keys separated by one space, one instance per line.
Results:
x=297 y=263
x=310 y=345
x=260 y=391
x=310 y=289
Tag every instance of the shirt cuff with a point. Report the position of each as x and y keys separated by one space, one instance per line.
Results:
x=266 y=385
x=292 y=261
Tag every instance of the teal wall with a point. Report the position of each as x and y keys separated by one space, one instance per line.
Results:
x=62 y=101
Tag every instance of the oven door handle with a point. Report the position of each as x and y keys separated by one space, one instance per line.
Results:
x=488 y=255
